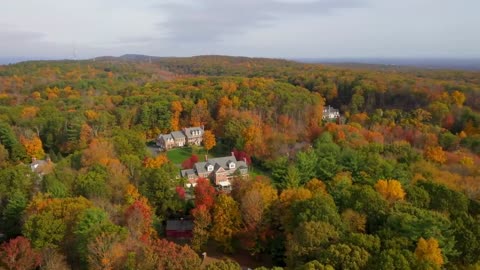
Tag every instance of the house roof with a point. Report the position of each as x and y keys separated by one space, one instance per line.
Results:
x=223 y=162
x=177 y=135
x=191 y=131
x=165 y=137
x=179 y=225
x=187 y=172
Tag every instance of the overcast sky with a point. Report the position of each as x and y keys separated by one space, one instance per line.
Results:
x=268 y=28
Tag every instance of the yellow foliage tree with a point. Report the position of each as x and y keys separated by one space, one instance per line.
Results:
x=131 y=194
x=208 y=140
x=29 y=112
x=435 y=154
x=316 y=186
x=91 y=115
x=458 y=98
x=428 y=250
x=391 y=190
x=226 y=220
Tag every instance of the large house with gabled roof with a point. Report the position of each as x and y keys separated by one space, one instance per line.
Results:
x=219 y=170
x=187 y=136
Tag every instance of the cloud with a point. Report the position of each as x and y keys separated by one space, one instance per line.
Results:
x=216 y=20
x=11 y=35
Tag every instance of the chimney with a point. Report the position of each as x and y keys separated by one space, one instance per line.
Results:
x=34 y=159
x=233 y=154
x=245 y=159
x=206 y=157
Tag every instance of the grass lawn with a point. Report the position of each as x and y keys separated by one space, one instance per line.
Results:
x=178 y=155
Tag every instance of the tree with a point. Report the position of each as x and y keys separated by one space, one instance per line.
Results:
x=318 y=208
x=391 y=190
x=11 y=219
x=53 y=260
x=208 y=140
x=139 y=217
x=204 y=193
x=92 y=223
x=190 y=162
x=223 y=265
x=428 y=250
x=201 y=223
x=355 y=221
x=158 y=185
x=226 y=221
x=308 y=239
x=342 y=256
x=169 y=255
x=155 y=162
x=458 y=98
x=33 y=146
x=307 y=163
x=176 y=108
x=435 y=154
x=106 y=251
x=292 y=179
x=17 y=254
x=50 y=222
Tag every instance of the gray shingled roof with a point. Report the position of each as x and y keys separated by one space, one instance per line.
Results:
x=187 y=172
x=179 y=225
x=165 y=136
x=189 y=132
x=201 y=167
x=177 y=135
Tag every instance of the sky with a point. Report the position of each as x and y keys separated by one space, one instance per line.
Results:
x=53 y=29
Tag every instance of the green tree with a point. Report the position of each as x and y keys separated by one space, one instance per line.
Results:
x=317 y=208
x=223 y=265
x=158 y=185
x=308 y=239
x=307 y=163
x=11 y=223
x=342 y=256
x=92 y=223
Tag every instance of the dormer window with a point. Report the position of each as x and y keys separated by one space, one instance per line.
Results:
x=210 y=168
x=231 y=165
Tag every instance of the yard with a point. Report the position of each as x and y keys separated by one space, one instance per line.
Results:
x=178 y=155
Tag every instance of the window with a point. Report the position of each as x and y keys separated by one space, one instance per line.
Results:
x=210 y=168
x=231 y=165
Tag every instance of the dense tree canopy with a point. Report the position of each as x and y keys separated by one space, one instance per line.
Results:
x=391 y=184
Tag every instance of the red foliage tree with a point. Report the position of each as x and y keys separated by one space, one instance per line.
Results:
x=173 y=256
x=241 y=155
x=17 y=254
x=138 y=217
x=204 y=193
x=180 y=192
x=190 y=162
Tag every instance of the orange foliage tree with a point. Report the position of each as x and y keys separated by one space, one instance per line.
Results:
x=155 y=162
x=435 y=154
x=176 y=108
x=208 y=140
x=33 y=146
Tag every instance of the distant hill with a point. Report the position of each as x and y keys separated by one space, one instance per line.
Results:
x=426 y=63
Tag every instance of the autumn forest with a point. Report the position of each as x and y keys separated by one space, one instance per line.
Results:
x=393 y=183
